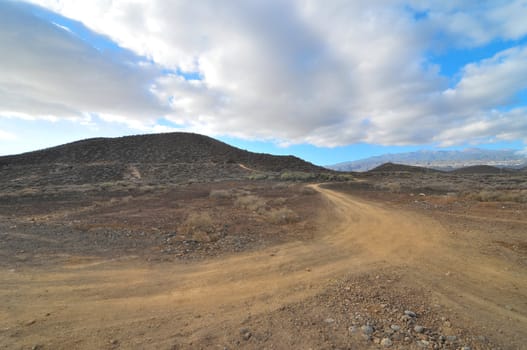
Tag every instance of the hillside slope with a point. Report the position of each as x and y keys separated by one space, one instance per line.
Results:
x=393 y=167
x=158 y=157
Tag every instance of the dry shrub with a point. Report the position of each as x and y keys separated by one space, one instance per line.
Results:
x=282 y=216
x=519 y=196
x=250 y=202
x=281 y=186
x=394 y=187
x=258 y=176
x=199 y=222
x=220 y=194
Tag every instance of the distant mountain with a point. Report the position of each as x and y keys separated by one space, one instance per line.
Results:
x=394 y=168
x=441 y=160
x=156 y=157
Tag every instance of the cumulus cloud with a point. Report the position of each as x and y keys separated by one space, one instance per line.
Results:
x=291 y=71
x=46 y=71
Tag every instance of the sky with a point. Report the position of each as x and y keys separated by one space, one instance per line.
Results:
x=328 y=81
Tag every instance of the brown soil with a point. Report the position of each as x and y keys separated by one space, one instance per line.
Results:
x=335 y=260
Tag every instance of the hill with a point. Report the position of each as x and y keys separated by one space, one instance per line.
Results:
x=481 y=169
x=441 y=160
x=167 y=157
x=392 y=168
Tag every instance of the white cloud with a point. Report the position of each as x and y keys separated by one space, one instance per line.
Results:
x=291 y=71
x=46 y=71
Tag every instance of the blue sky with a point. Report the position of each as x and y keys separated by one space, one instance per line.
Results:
x=326 y=83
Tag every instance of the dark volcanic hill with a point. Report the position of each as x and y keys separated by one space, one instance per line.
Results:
x=168 y=157
x=393 y=167
x=481 y=169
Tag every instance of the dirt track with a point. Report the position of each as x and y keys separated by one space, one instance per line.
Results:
x=98 y=304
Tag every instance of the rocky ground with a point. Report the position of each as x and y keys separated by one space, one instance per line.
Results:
x=402 y=261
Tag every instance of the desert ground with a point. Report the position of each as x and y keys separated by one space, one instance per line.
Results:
x=399 y=260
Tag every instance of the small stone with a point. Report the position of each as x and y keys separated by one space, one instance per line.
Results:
x=447 y=324
x=451 y=338
x=410 y=313
x=353 y=329
x=419 y=329
x=386 y=342
x=247 y=336
x=423 y=343
x=114 y=341
x=366 y=337
x=367 y=329
x=406 y=318
x=395 y=327
x=329 y=320
x=466 y=348
x=29 y=323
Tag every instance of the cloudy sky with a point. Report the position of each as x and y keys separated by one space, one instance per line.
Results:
x=326 y=80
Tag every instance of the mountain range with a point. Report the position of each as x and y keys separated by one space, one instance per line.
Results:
x=440 y=160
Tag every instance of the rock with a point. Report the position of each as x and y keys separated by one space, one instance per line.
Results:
x=466 y=348
x=451 y=338
x=29 y=323
x=366 y=337
x=423 y=343
x=395 y=327
x=386 y=342
x=410 y=313
x=329 y=320
x=245 y=333
x=419 y=329
x=406 y=318
x=367 y=329
x=353 y=329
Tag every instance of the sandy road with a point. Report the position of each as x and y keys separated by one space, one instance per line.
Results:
x=89 y=305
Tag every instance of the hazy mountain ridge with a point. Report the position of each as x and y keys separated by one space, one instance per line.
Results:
x=441 y=160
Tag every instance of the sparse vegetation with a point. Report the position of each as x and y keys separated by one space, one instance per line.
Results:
x=282 y=216
x=221 y=194
x=519 y=196
x=250 y=202
x=394 y=187
x=297 y=176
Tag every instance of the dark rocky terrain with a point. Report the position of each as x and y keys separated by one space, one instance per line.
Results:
x=171 y=157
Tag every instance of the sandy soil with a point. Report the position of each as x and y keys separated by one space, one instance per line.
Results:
x=367 y=263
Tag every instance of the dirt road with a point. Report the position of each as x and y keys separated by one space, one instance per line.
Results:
x=126 y=303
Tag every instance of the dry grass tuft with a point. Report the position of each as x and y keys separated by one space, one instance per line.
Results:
x=221 y=194
x=250 y=202
x=282 y=216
